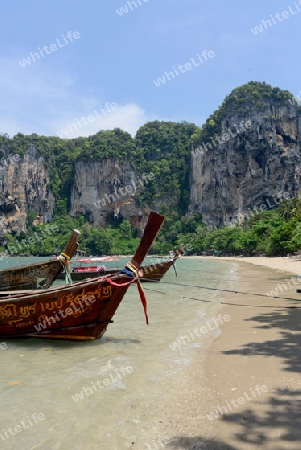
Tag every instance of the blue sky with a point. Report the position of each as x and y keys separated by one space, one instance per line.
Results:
x=117 y=57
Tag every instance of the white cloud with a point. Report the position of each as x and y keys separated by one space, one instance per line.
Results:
x=127 y=117
x=38 y=99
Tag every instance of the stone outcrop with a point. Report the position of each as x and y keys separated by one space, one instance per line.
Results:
x=103 y=190
x=24 y=187
x=254 y=160
x=249 y=166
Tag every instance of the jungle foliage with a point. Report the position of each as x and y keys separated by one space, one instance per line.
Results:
x=164 y=149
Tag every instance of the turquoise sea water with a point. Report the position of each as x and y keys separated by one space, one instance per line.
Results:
x=108 y=394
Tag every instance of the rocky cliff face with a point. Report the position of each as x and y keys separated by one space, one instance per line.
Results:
x=256 y=158
x=24 y=187
x=105 y=189
x=248 y=157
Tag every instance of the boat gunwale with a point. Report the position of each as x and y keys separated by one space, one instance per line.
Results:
x=69 y=287
x=29 y=266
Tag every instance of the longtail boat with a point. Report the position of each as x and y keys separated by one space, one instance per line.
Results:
x=81 y=271
x=154 y=272
x=151 y=272
x=78 y=311
x=39 y=275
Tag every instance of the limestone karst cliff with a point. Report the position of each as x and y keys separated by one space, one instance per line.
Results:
x=247 y=153
x=105 y=189
x=254 y=157
x=24 y=182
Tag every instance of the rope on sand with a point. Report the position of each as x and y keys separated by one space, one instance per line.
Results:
x=232 y=292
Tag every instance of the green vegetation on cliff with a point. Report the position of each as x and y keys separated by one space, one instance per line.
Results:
x=163 y=148
x=253 y=95
x=273 y=232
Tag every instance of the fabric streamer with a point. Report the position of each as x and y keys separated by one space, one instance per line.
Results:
x=174 y=266
x=65 y=261
x=133 y=272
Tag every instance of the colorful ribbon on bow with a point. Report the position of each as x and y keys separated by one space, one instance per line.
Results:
x=134 y=272
x=64 y=259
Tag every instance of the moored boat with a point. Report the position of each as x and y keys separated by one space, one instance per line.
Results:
x=149 y=272
x=78 y=311
x=97 y=266
x=39 y=275
x=154 y=272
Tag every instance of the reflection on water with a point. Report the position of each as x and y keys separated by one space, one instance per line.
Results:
x=107 y=394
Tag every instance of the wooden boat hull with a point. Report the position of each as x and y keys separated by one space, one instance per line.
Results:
x=78 y=311
x=81 y=312
x=152 y=272
x=80 y=276
x=28 y=277
x=38 y=275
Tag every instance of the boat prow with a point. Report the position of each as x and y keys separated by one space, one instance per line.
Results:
x=80 y=311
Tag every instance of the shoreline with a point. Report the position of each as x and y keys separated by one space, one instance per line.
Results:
x=256 y=351
x=278 y=263
x=244 y=390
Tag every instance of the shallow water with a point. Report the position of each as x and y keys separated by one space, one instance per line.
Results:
x=105 y=394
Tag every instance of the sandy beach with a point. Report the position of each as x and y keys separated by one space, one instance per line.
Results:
x=284 y=264
x=251 y=395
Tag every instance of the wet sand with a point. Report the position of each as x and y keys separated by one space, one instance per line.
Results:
x=250 y=396
x=285 y=263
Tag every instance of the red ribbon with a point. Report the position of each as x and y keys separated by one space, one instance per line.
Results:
x=141 y=292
